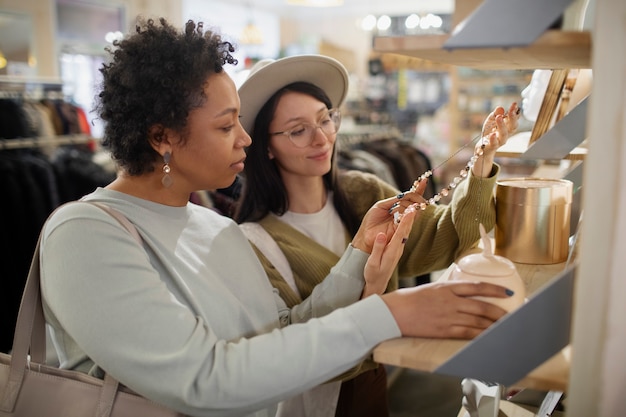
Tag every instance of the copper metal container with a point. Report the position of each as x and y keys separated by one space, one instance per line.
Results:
x=533 y=219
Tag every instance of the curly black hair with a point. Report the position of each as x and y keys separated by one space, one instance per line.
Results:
x=156 y=77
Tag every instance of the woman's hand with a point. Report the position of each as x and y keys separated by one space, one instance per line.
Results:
x=380 y=218
x=445 y=309
x=497 y=128
x=385 y=256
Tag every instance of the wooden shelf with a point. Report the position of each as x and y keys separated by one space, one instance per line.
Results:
x=429 y=354
x=554 y=49
x=577 y=154
x=517 y=145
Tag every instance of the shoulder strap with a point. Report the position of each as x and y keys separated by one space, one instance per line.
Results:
x=30 y=326
x=38 y=345
x=121 y=219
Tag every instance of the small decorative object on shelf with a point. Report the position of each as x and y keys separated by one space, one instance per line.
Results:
x=496 y=269
x=480 y=399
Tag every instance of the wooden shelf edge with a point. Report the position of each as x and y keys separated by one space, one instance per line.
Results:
x=417 y=353
x=554 y=49
x=517 y=146
x=428 y=354
x=577 y=154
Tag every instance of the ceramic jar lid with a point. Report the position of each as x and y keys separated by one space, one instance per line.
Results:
x=486 y=264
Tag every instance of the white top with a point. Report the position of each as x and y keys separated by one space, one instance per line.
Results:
x=189 y=319
x=324 y=227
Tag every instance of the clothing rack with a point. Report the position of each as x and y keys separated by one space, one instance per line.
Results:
x=35 y=88
x=31 y=95
x=28 y=93
x=34 y=142
x=355 y=135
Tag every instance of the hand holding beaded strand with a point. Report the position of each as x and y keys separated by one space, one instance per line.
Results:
x=464 y=173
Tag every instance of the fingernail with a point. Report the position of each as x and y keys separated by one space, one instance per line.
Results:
x=400 y=196
x=404 y=239
x=393 y=207
x=509 y=292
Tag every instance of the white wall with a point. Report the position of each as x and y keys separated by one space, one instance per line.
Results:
x=231 y=19
x=42 y=14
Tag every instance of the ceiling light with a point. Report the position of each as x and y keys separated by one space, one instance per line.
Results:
x=315 y=3
x=384 y=22
x=369 y=22
x=431 y=21
x=412 y=21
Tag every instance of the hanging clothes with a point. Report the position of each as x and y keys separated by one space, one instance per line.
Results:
x=398 y=159
x=34 y=180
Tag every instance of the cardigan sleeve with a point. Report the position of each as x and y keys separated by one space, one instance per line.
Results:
x=441 y=233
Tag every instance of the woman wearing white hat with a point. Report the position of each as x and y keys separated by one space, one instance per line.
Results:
x=300 y=212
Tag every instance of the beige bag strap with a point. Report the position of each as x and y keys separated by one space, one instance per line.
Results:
x=30 y=328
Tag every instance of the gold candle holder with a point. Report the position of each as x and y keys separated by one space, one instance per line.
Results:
x=533 y=220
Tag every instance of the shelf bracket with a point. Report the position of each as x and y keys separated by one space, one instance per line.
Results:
x=567 y=134
x=506 y=23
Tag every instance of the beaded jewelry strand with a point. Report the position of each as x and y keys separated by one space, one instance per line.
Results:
x=464 y=173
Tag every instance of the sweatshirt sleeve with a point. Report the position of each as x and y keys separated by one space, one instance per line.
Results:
x=343 y=286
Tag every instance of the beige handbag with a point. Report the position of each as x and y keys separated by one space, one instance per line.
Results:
x=29 y=388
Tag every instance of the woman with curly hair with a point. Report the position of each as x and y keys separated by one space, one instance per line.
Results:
x=188 y=318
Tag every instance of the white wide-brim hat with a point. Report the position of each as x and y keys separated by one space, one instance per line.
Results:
x=268 y=76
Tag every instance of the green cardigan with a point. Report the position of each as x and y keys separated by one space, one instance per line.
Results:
x=440 y=234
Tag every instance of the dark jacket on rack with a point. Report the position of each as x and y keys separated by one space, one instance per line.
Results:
x=32 y=185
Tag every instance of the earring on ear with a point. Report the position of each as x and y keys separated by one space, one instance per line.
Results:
x=166 y=180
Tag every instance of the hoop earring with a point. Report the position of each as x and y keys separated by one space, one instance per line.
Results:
x=166 y=180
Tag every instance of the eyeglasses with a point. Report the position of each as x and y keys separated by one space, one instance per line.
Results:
x=303 y=134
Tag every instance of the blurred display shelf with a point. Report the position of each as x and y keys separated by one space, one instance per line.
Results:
x=554 y=49
x=18 y=79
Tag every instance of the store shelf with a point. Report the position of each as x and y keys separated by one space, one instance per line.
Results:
x=517 y=150
x=554 y=49
x=442 y=355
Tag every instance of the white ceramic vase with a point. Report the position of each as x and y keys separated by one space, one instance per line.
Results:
x=487 y=267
